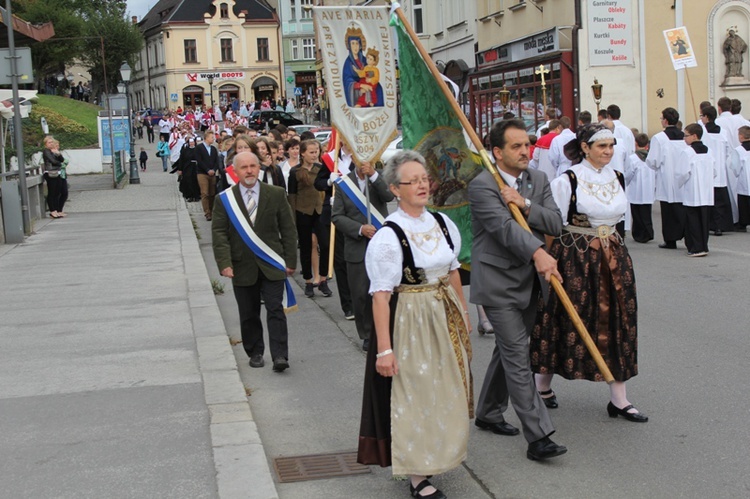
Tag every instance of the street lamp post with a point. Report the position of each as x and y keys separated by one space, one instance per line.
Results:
x=125 y=74
x=211 y=89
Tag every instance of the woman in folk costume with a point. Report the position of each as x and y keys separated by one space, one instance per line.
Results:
x=417 y=399
x=597 y=276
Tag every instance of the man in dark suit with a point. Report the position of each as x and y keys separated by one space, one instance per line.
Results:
x=505 y=261
x=209 y=165
x=271 y=219
x=357 y=233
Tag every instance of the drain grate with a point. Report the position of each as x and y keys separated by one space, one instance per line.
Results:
x=316 y=466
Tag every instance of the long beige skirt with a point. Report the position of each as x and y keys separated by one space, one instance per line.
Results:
x=432 y=395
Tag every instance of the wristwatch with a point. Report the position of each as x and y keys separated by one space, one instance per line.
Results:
x=527 y=203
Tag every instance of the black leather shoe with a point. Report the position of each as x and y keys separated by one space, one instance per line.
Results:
x=280 y=364
x=544 y=449
x=549 y=402
x=669 y=245
x=257 y=361
x=323 y=288
x=635 y=417
x=415 y=491
x=503 y=428
x=366 y=344
x=309 y=290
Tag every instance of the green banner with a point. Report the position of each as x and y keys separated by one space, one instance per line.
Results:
x=431 y=127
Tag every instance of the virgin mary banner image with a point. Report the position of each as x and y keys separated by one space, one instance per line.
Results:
x=359 y=69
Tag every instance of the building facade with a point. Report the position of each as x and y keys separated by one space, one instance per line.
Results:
x=298 y=45
x=231 y=43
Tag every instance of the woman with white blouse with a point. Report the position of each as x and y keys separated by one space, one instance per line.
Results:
x=597 y=275
x=418 y=387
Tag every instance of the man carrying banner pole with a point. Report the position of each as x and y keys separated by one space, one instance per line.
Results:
x=255 y=245
x=515 y=211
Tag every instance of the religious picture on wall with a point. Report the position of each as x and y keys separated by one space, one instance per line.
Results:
x=680 y=49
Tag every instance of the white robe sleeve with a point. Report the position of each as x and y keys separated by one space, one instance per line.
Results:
x=654 y=159
x=561 y=191
x=384 y=261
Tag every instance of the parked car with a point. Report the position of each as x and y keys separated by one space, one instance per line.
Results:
x=303 y=128
x=259 y=119
x=150 y=114
x=395 y=146
x=322 y=134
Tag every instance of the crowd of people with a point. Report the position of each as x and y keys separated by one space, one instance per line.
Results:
x=580 y=192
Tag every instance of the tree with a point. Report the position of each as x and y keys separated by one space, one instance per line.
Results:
x=52 y=56
x=122 y=41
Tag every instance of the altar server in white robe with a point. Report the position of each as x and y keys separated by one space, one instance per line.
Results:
x=556 y=154
x=623 y=133
x=663 y=155
x=639 y=187
x=694 y=176
x=740 y=170
x=716 y=139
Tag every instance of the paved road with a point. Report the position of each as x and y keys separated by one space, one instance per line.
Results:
x=693 y=349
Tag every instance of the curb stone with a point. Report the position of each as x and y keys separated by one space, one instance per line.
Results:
x=242 y=469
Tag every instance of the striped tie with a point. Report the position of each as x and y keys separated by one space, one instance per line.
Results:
x=252 y=207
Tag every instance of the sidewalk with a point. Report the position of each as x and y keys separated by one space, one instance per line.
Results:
x=117 y=378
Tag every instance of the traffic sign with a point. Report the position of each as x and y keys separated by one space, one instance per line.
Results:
x=321 y=90
x=173 y=97
x=297 y=91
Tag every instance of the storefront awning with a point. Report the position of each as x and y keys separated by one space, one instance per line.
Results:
x=263 y=81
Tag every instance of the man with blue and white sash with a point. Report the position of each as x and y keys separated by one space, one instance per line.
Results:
x=349 y=214
x=255 y=245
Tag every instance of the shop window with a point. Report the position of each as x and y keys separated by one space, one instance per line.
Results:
x=226 y=50
x=263 y=49
x=191 y=54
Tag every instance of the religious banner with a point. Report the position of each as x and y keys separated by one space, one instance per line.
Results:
x=680 y=49
x=360 y=73
x=610 y=30
x=431 y=128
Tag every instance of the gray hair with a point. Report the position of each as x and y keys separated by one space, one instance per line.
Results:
x=392 y=170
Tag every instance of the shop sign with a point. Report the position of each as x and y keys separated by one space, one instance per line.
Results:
x=265 y=88
x=610 y=32
x=525 y=48
x=218 y=76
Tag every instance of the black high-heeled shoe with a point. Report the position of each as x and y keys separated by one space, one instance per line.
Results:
x=423 y=485
x=550 y=402
x=635 y=417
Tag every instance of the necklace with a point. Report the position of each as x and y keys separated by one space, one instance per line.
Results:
x=427 y=242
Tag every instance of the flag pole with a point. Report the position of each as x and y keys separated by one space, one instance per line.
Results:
x=556 y=285
x=332 y=244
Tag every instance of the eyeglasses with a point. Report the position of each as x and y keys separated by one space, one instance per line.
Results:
x=417 y=181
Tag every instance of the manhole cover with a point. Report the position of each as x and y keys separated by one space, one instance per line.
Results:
x=315 y=466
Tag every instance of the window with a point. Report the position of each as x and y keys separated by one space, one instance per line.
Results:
x=226 y=50
x=418 y=26
x=263 y=49
x=295 y=50
x=224 y=10
x=308 y=48
x=293 y=9
x=306 y=14
x=190 y=51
